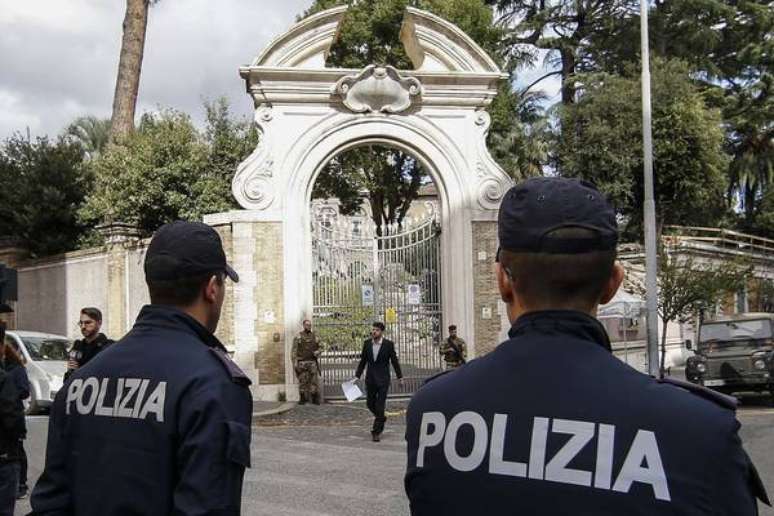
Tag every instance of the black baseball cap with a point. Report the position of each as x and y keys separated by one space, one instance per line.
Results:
x=182 y=249
x=533 y=209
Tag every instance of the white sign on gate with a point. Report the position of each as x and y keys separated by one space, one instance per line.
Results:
x=414 y=294
x=368 y=295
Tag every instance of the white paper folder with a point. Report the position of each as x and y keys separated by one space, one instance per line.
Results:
x=351 y=390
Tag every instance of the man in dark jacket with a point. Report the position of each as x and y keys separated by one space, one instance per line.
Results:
x=158 y=424
x=13 y=364
x=11 y=432
x=552 y=423
x=378 y=353
x=93 y=341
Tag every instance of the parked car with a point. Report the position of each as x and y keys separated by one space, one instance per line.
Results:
x=735 y=353
x=46 y=360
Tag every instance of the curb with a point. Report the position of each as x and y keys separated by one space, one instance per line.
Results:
x=279 y=410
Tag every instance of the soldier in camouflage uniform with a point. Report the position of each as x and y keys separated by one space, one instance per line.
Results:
x=453 y=349
x=306 y=350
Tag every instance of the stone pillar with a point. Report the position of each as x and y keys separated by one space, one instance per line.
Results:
x=119 y=237
x=488 y=308
x=12 y=254
x=252 y=324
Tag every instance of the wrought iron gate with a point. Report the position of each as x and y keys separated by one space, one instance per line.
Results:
x=360 y=278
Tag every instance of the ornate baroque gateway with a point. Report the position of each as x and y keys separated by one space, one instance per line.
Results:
x=307 y=114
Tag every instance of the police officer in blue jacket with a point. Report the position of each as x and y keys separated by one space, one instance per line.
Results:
x=550 y=422
x=158 y=423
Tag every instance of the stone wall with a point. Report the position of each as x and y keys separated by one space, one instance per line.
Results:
x=252 y=324
x=225 y=331
x=52 y=292
x=270 y=326
x=488 y=309
x=136 y=290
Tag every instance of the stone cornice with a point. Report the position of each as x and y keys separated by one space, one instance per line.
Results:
x=291 y=85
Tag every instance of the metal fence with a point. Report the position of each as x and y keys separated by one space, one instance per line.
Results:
x=361 y=277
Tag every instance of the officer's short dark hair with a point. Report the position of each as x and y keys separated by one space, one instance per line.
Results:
x=453 y=327
x=92 y=313
x=379 y=325
x=560 y=280
x=179 y=292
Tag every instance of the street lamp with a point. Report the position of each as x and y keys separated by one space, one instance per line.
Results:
x=651 y=285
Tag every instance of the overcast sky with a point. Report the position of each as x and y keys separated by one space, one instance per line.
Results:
x=58 y=58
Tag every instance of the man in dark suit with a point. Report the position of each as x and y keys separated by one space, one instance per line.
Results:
x=377 y=353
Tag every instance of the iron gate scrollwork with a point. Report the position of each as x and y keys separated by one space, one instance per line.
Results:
x=360 y=278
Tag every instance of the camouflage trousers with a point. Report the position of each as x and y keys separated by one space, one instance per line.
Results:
x=306 y=370
x=452 y=365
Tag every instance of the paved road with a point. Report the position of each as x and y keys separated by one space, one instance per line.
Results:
x=319 y=461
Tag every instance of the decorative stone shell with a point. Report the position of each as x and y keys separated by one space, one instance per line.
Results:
x=377 y=89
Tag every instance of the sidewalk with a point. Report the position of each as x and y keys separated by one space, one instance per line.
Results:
x=267 y=408
x=330 y=414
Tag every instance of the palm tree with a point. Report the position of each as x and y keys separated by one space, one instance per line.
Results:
x=751 y=144
x=91 y=133
x=524 y=149
x=129 y=67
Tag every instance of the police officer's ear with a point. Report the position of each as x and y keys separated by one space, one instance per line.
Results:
x=504 y=284
x=613 y=283
x=213 y=289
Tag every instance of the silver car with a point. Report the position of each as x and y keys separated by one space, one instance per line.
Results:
x=46 y=360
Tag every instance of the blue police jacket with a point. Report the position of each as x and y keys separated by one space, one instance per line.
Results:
x=551 y=423
x=157 y=424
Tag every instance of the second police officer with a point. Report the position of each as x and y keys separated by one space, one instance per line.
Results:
x=551 y=422
x=160 y=423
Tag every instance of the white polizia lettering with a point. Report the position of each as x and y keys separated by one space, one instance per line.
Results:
x=644 y=448
x=497 y=464
x=438 y=423
x=477 y=454
x=93 y=396
x=556 y=470
x=642 y=462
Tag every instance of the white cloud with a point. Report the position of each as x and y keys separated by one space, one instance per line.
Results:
x=58 y=59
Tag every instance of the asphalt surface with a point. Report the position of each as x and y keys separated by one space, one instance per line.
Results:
x=320 y=460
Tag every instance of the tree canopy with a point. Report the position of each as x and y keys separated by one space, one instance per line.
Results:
x=606 y=146
x=168 y=170
x=44 y=184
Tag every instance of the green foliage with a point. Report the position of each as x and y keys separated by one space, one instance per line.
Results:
x=167 y=170
x=730 y=46
x=521 y=136
x=565 y=29
x=392 y=179
x=606 y=146
x=727 y=46
x=763 y=223
x=91 y=133
x=764 y=288
x=44 y=184
x=750 y=141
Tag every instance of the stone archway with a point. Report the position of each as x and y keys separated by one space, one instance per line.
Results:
x=307 y=114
